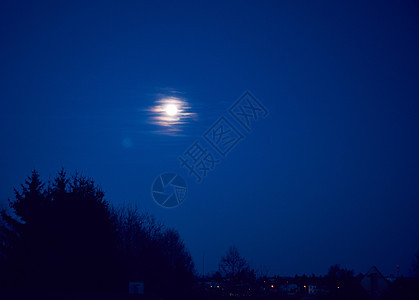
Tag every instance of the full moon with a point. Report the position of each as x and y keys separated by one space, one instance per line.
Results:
x=171 y=114
x=171 y=109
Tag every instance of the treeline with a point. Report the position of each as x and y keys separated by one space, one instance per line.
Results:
x=236 y=278
x=63 y=235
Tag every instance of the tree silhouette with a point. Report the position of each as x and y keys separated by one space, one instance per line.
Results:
x=239 y=279
x=59 y=237
x=232 y=263
x=342 y=284
x=23 y=231
x=64 y=235
x=84 y=234
x=415 y=266
x=154 y=255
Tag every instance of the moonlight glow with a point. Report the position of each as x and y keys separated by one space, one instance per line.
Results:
x=171 y=109
x=171 y=114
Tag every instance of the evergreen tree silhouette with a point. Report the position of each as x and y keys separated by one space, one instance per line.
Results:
x=64 y=235
x=59 y=237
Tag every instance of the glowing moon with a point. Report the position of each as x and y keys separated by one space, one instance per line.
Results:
x=171 y=109
x=171 y=113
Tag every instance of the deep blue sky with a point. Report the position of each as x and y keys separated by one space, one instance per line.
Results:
x=331 y=176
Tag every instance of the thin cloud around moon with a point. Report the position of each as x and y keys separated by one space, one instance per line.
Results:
x=170 y=115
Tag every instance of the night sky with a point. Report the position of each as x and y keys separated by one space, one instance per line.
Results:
x=329 y=176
